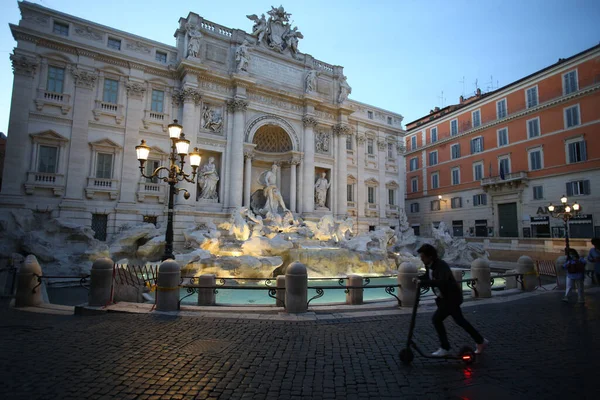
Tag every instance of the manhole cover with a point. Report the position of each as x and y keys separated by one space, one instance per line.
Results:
x=204 y=347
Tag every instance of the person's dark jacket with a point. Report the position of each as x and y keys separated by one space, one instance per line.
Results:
x=444 y=281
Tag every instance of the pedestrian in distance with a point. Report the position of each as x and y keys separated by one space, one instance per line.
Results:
x=449 y=297
x=575 y=267
x=594 y=258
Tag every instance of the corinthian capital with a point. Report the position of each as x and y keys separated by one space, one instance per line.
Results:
x=84 y=79
x=249 y=154
x=135 y=89
x=342 y=129
x=237 y=105
x=309 y=121
x=191 y=94
x=382 y=144
x=22 y=65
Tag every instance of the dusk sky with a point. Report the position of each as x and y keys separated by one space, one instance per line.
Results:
x=399 y=55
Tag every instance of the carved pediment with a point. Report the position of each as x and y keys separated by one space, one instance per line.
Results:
x=351 y=179
x=105 y=143
x=392 y=185
x=48 y=135
x=372 y=182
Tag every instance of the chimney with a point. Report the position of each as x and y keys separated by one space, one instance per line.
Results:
x=462 y=99
x=478 y=92
x=436 y=109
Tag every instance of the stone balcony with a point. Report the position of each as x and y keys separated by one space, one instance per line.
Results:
x=391 y=211
x=42 y=180
x=371 y=210
x=108 y=109
x=102 y=185
x=512 y=180
x=155 y=118
x=151 y=189
x=60 y=100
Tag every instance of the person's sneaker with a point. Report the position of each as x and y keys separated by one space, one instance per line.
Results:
x=482 y=346
x=565 y=299
x=440 y=353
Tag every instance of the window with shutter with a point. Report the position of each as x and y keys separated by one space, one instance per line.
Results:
x=569 y=188
x=570 y=82
x=532 y=97
x=533 y=128
x=454 y=127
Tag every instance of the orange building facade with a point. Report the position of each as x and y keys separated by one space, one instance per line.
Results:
x=491 y=165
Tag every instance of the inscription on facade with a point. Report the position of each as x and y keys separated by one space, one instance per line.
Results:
x=274 y=102
x=324 y=87
x=216 y=54
x=277 y=72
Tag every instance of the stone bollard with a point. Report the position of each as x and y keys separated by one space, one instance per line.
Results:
x=458 y=276
x=207 y=297
x=296 y=283
x=526 y=267
x=355 y=296
x=26 y=295
x=407 y=271
x=101 y=283
x=167 y=286
x=480 y=270
x=561 y=273
x=280 y=302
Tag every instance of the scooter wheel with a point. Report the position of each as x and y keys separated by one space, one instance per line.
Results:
x=406 y=356
x=467 y=355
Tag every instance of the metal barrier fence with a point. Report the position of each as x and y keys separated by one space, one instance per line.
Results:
x=135 y=275
x=80 y=280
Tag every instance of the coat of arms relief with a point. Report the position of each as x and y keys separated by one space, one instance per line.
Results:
x=276 y=32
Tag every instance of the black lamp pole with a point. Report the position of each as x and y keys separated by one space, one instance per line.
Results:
x=175 y=174
x=566 y=212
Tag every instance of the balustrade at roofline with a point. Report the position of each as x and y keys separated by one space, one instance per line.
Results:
x=545 y=101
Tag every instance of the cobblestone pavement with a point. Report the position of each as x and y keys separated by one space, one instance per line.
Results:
x=540 y=348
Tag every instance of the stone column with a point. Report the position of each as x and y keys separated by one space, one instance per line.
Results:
x=79 y=148
x=191 y=98
x=16 y=161
x=361 y=192
x=382 y=196
x=248 y=177
x=279 y=165
x=293 y=164
x=308 y=197
x=341 y=130
x=299 y=186
x=236 y=165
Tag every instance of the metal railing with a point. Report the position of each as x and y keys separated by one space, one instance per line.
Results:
x=81 y=280
x=191 y=288
x=389 y=289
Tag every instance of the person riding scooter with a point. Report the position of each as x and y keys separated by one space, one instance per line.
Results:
x=439 y=277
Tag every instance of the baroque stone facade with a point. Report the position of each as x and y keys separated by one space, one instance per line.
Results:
x=87 y=94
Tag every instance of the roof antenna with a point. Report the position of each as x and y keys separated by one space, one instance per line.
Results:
x=442 y=99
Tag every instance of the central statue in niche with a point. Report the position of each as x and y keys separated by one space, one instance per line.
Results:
x=268 y=202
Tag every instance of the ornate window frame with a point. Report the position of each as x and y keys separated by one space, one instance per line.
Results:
x=104 y=185
x=153 y=189
x=109 y=109
x=54 y=181
x=161 y=119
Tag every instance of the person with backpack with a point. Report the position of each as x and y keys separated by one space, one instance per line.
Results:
x=594 y=258
x=575 y=267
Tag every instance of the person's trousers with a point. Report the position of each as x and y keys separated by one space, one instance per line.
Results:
x=444 y=310
x=578 y=283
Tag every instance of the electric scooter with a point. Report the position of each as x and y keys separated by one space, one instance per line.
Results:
x=466 y=353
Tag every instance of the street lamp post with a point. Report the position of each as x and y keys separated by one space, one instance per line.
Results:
x=175 y=174
x=565 y=211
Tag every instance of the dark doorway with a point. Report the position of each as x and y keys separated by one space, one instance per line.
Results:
x=507 y=218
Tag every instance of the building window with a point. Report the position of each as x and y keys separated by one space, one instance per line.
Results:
x=504 y=165
x=433 y=158
x=99 y=226
x=476 y=118
x=538 y=192
x=111 y=91
x=413 y=142
x=435 y=180
x=104 y=165
x=150 y=219
x=570 y=82
x=371 y=195
x=370 y=146
x=391 y=197
x=572 y=116
x=477 y=145
x=457 y=228
x=535 y=159
x=417 y=230
x=435 y=205
x=456 y=202
x=389 y=119
x=455 y=151
x=114 y=44
x=433 y=135
x=48 y=159
x=455 y=176
x=158 y=97
x=56 y=79
x=479 y=200
x=390 y=149
x=578 y=188
x=370 y=114
x=454 y=127
x=533 y=128
x=414 y=207
x=151 y=166
x=414 y=164
x=414 y=185
x=61 y=28
x=501 y=109
x=502 y=137
x=478 y=171
x=532 y=97
x=349 y=192
x=161 y=57
x=348 y=142
x=371 y=228
x=577 y=151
